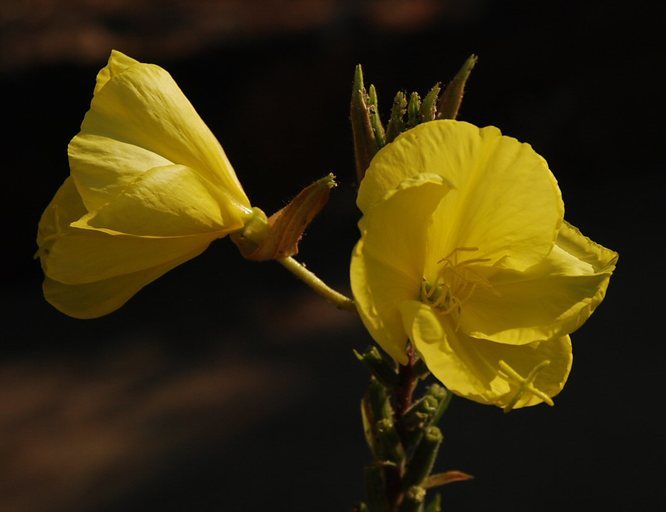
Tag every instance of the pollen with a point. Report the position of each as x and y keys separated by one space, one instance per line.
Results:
x=525 y=384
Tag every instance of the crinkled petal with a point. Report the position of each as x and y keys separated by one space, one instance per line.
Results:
x=173 y=200
x=548 y=300
x=141 y=105
x=471 y=367
x=98 y=298
x=505 y=202
x=387 y=264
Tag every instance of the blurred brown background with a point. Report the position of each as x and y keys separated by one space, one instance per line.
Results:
x=228 y=386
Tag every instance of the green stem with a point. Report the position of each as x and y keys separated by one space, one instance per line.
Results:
x=298 y=269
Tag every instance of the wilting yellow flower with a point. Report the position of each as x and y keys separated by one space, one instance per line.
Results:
x=464 y=251
x=150 y=188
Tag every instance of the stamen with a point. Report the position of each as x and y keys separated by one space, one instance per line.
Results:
x=525 y=384
x=455 y=282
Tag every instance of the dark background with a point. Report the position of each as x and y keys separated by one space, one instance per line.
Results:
x=226 y=385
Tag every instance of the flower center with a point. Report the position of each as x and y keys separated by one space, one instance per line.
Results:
x=455 y=282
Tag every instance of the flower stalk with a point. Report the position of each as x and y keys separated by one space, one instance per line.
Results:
x=339 y=300
x=402 y=435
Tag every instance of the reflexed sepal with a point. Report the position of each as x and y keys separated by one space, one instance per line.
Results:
x=449 y=103
x=277 y=237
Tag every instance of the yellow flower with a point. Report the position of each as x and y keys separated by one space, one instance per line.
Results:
x=464 y=251
x=150 y=188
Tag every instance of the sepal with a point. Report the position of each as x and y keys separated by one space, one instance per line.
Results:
x=449 y=103
x=277 y=237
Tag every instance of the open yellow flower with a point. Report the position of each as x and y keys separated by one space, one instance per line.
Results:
x=150 y=188
x=464 y=251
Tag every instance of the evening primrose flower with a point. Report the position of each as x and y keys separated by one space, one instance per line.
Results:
x=150 y=188
x=465 y=252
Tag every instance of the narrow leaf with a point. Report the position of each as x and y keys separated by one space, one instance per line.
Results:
x=445 y=478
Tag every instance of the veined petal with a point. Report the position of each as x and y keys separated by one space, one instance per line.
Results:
x=118 y=62
x=505 y=202
x=98 y=298
x=387 y=263
x=173 y=200
x=548 y=300
x=84 y=256
x=140 y=104
x=473 y=368
x=103 y=166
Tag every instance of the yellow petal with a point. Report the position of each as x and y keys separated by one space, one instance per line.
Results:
x=505 y=202
x=73 y=256
x=104 y=166
x=597 y=257
x=548 y=300
x=140 y=104
x=378 y=289
x=387 y=264
x=172 y=200
x=84 y=256
x=118 y=62
x=98 y=298
x=472 y=368
x=65 y=207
